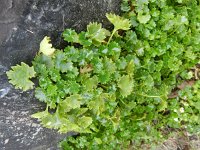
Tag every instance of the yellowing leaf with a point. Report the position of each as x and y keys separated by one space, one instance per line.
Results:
x=19 y=76
x=46 y=47
x=116 y=119
x=86 y=69
x=71 y=102
x=119 y=22
x=162 y=106
x=96 y=32
x=53 y=121
x=40 y=115
x=126 y=85
x=91 y=83
x=130 y=68
x=97 y=105
x=69 y=126
x=84 y=122
x=98 y=140
x=143 y=18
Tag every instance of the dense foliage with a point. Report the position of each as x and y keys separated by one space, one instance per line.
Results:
x=112 y=87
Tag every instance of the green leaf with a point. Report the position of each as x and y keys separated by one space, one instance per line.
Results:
x=114 y=49
x=162 y=106
x=71 y=36
x=96 y=32
x=104 y=77
x=40 y=115
x=44 y=82
x=54 y=74
x=126 y=85
x=197 y=105
x=97 y=65
x=174 y=63
x=121 y=64
x=54 y=121
x=143 y=18
x=109 y=65
x=71 y=102
x=84 y=40
x=119 y=22
x=125 y=6
x=91 y=83
x=131 y=38
x=116 y=119
x=79 y=111
x=71 y=53
x=148 y=81
x=52 y=90
x=74 y=87
x=40 y=94
x=20 y=76
x=84 y=122
x=97 y=105
x=69 y=126
x=130 y=68
x=42 y=64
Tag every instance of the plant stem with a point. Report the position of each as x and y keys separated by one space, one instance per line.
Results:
x=150 y=96
x=113 y=32
x=47 y=108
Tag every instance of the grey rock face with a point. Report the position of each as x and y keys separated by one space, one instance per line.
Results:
x=23 y=24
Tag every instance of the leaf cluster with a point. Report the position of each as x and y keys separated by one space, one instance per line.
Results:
x=82 y=83
x=162 y=42
x=112 y=87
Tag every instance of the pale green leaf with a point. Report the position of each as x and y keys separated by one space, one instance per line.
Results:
x=130 y=68
x=119 y=22
x=84 y=122
x=91 y=83
x=40 y=94
x=46 y=47
x=96 y=32
x=143 y=18
x=97 y=105
x=71 y=102
x=40 y=115
x=20 y=76
x=126 y=85
x=69 y=126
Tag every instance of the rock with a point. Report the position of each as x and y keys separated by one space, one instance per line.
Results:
x=23 y=24
x=17 y=129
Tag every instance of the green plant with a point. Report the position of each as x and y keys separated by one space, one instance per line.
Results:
x=20 y=76
x=112 y=87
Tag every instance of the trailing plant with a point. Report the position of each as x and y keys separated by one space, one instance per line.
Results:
x=112 y=87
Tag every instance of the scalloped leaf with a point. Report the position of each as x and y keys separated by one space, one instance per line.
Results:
x=119 y=22
x=126 y=85
x=96 y=32
x=70 y=35
x=84 y=122
x=20 y=76
x=46 y=47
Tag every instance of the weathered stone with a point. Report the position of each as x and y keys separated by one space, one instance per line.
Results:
x=23 y=24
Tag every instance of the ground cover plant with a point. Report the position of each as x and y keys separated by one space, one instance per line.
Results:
x=113 y=87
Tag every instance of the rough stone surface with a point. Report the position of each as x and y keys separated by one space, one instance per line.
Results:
x=17 y=129
x=23 y=24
